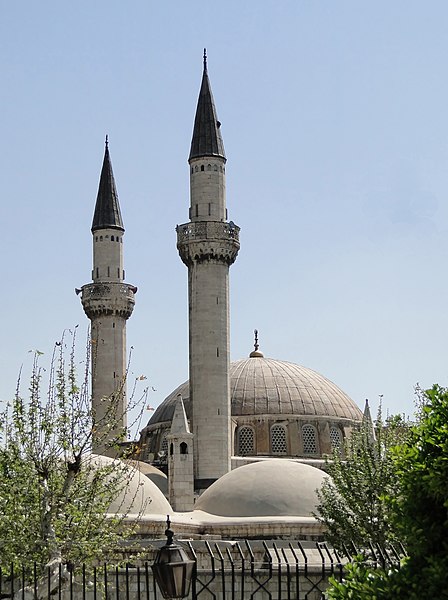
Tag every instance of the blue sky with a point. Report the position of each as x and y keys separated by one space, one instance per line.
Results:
x=334 y=118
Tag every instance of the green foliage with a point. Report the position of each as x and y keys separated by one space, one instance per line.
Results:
x=362 y=582
x=419 y=510
x=53 y=495
x=353 y=503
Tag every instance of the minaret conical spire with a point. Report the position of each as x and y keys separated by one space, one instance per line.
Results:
x=367 y=423
x=107 y=213
x=207 y=139
x=179 y=424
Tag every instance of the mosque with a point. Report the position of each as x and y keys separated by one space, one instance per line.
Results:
x=239 y=449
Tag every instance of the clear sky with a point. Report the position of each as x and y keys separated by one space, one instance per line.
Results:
x=335 y=122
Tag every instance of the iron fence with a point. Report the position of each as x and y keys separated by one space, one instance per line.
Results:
x=255 y=570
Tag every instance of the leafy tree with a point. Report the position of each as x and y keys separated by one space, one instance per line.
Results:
x=361 y=582
x=352 y=504
x=419 y=512
x=54 y=496
x=421 y=509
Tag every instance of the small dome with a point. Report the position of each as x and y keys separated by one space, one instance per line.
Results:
x=265 y=386
x=270 y=488
x=153 y=474
x=139 y=495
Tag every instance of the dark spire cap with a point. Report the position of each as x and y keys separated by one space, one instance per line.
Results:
x=107 y=208
x=207 y=140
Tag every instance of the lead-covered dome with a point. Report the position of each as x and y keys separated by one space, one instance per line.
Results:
x=278 y=408
x=265 y=386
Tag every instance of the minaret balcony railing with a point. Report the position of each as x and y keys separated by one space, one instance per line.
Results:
x=207 y=230
x=108 y=298
x=208 y=241
x=106 y=290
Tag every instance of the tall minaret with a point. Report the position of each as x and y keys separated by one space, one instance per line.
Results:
x=208 y=245
x=108 y=302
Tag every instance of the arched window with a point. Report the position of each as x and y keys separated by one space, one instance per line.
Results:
x=202 y=167
x=335 y=437
x=209 y=167
x=278 y=439
x=245 y=441
x=183 y=448
x=112 y=238
x=309 y=439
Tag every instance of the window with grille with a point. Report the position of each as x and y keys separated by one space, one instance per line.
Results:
x=335 y=438
x=245 y=441
x=278 y=439
x=164 y=446
x=309 y=439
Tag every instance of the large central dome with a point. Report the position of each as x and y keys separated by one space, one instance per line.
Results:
x=265 y=386
x=277 y=408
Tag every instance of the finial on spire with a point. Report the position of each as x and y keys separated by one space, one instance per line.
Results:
x=107 y=141
x=205 y=59
x=256 y=353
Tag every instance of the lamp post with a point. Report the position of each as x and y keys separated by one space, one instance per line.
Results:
x=172 y=568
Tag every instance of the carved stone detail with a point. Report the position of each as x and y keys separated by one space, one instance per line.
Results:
x=208 y=241
x=108 y=299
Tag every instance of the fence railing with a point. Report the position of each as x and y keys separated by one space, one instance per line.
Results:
x=258 y=570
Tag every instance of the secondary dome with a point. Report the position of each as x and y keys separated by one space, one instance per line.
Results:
x=138 y=495
x=270 y=488
x=265 y=386
x=155 y=475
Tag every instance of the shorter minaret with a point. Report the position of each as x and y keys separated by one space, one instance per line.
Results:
x=108 y=302
x=180 y=461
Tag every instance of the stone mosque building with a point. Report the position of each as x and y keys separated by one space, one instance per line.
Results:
x=238 y=449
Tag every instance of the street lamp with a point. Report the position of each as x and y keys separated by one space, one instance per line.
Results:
x=172 y=568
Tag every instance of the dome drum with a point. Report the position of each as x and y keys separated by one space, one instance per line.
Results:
x=302 y=437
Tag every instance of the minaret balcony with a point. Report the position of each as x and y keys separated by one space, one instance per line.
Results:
x=208 y=241
x=111 y=298
x=207 y=230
